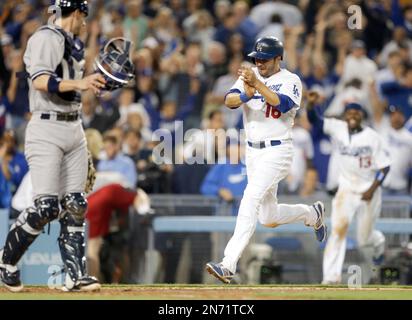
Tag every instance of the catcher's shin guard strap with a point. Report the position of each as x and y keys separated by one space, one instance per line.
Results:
x=71 y=244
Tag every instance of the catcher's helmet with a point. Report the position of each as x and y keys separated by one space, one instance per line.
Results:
x=267 y=48
x=72 y=5
x=115 y=65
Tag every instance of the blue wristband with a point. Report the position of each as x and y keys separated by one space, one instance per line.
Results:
x=53 y=84
x=381 y=175
x=244 y=98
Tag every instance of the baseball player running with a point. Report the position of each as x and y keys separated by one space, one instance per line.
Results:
x=55 y=148
x=364 y=164
x=271 y=97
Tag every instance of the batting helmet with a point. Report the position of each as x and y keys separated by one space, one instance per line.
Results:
x=115 y=65
x=267 y=48
x=72 y=5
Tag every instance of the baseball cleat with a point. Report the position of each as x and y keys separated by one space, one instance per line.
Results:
x=89 y=283
x=10 y=279
x=219 y=271
x=321 y=230
x=85 y=284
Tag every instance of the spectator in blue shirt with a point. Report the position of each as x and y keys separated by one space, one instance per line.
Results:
x=116 y=161
x=399 y=93
x=5 y=192
x=13 y=168
x=227 y=180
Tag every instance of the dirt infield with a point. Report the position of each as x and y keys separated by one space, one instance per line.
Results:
x=200 y=292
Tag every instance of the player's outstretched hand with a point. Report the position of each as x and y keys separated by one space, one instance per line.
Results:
x=94 y=82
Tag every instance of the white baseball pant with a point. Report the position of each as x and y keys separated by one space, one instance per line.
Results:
x=345 y=205
x=265 y=169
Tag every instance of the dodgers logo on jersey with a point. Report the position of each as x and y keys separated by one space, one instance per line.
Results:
x=354 y=151
x=275 y=87
x=296 y=91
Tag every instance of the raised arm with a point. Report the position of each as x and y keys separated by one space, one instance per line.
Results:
x=153 y=113
x=190 y=102
x=314 y=118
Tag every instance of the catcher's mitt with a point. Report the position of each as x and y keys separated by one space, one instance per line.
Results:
x=91 y=173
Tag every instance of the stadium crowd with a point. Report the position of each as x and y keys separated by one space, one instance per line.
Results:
x=186 y=54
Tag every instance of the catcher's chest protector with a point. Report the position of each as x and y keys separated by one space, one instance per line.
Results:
x=72 y=64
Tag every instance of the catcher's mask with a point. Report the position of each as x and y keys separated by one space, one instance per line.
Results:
x=115 y=64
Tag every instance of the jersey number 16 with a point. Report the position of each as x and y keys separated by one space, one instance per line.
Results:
x=271 y=111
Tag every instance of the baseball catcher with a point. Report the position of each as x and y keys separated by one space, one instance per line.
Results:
x=55 y=142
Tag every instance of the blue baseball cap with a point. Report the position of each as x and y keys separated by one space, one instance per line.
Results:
x=393 y=108
x=353 y=106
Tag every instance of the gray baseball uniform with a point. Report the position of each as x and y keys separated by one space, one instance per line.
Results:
x=55 y=150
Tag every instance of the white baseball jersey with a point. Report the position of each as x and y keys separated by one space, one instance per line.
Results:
x=263 y=121
x=359 y=155
x=399 y=144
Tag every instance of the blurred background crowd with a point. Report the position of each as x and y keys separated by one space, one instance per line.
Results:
x=187 y=53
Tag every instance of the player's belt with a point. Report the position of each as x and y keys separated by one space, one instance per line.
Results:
x=264 y=144
x=70 y=116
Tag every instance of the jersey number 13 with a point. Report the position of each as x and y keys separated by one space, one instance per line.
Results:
x=365 y=162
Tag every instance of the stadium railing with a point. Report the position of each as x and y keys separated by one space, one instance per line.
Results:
x=184 y=217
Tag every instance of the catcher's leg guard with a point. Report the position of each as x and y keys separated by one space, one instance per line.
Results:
x=72 y=247
x=27 y=227
x=76 y=205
